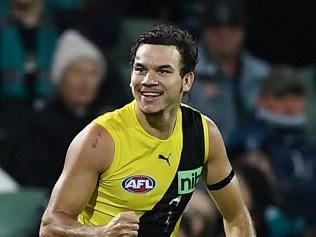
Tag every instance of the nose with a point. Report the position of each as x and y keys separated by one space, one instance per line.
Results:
x=149 y=79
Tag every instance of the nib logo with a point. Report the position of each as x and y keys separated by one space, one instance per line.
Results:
x=188 y=179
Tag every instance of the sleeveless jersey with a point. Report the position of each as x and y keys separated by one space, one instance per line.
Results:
x=153 y=177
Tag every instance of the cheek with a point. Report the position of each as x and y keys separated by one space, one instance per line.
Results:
x=174 y=88
x=133 y=84
x=298 y=106
x=236 y=38
x=295 y=109
x=134 y=80
x=69 y=85
x=278 y=107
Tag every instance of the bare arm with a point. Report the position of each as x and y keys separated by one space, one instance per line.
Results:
x=90 y=153
x=228 y=199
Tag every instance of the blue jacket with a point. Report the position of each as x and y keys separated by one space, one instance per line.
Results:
x=225 y=99
x=291 y=156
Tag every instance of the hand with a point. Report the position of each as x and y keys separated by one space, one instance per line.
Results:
x=125 y=224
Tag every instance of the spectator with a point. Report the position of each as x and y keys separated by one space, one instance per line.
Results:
x=227 y=75
x=259 y=193
x=27 y=41
x=28 y=37
x=201 y=217
x=278 y=129
x=77 y=72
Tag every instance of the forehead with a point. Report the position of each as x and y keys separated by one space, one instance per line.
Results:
x=158 y=55
x=84 y=64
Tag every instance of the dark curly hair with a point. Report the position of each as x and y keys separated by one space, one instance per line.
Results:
x=170 y=35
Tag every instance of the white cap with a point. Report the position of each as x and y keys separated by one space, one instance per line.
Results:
x=71 y=47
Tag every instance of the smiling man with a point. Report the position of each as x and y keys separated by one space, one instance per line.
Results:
x=115 y=181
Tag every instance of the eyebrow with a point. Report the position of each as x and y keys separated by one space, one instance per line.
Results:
x=139 y=64
x=167 y=66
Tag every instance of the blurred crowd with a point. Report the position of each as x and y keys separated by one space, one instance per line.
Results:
x=64 y=62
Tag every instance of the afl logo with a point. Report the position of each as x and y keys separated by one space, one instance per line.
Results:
x=138 y=184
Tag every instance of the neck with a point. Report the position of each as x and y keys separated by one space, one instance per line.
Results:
x=77 y=109
x=159 y=124
x=227 y=63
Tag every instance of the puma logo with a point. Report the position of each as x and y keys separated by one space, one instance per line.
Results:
x=161 y=157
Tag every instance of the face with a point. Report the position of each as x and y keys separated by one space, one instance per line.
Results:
x=156 y=82
x=80 y=83
x=224 y=41
x=290 y=104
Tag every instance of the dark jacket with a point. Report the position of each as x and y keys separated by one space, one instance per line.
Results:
x=291 y=156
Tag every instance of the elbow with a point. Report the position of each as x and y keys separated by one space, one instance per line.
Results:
x=242 y=217
x=45 y=227
x=240 y=224
x=43 y=232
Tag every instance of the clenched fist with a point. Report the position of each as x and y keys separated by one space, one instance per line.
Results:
x=125 y=224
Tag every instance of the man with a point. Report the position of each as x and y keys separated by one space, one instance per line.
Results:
x=200 y=217
x=78 y=71
x=112 y=183
x=27 y=42
x=277 y=129
x=227 y=74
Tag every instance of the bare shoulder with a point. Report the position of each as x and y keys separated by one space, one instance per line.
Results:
x=89 y=154
x=93 y=146
x=214 y=132
x=218 y=165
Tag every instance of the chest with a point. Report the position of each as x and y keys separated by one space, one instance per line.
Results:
x=142 y=173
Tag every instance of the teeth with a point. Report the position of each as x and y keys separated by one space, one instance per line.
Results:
x=153 y=94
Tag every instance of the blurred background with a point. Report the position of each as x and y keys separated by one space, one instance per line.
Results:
x=64 y=62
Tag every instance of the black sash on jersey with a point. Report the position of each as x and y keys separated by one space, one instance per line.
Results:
x=161 y=220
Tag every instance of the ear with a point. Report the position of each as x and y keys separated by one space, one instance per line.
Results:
x=187 y=81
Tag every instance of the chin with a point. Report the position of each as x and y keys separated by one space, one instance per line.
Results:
x=151 y=109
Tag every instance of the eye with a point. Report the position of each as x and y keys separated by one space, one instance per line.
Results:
x=164 y=71
x=139 y=69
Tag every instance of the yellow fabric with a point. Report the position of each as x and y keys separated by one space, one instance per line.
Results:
x=136 y=152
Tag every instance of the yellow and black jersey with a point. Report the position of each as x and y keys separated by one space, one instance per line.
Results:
x=153 y=177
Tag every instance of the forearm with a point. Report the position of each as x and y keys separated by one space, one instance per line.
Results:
x=240 y=226
x=61 y=225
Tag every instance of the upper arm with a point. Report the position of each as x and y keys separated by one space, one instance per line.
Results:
x=89 y=154
x=228 y=199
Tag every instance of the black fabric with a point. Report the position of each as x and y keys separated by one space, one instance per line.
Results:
x=41 y=155
x=29 y=39
x=161 y=220
x=221 y=184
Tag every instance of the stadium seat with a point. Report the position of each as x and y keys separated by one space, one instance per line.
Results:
x=20 y=211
